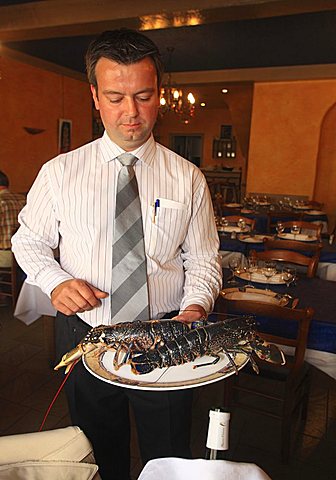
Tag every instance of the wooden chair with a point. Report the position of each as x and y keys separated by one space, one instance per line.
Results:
x=250 y=222
x=281 y=216
x=314 y=228
x=278 y=391
x=289 y=252
x=10 y=282
x=316 y=205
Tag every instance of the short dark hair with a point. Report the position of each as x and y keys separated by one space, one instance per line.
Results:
x=4 y=182
x=123 y=46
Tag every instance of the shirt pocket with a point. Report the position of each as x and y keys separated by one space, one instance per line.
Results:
x=167 y=230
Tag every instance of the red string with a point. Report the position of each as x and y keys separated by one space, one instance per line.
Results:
x=55 y=397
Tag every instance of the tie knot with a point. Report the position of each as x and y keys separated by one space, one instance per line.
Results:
x=127 y=159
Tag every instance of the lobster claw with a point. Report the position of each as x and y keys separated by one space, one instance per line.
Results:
x=73 y=356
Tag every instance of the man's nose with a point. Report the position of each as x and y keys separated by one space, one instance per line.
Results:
x=131 y=107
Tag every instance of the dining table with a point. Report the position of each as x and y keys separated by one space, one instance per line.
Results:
x=310 y=292
x=266 y=214
x=241 y=244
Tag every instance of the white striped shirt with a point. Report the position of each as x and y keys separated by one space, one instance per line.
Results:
x=71 y=205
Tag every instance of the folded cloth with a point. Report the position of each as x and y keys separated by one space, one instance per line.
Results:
x=198 y=469
x=54 y=454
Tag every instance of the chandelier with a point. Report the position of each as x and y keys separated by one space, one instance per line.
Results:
x=173 y=99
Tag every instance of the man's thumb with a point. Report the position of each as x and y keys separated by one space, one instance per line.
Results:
x=98 y=293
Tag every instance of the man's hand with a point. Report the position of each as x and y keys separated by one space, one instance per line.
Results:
x=73 y=296
x=191 y=314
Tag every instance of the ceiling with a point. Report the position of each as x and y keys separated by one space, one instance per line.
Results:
x=210 y=38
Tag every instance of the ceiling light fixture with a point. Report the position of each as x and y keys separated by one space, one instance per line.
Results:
x=173 y=99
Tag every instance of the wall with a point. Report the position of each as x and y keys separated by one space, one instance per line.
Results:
x=33 y=97
x=287 y=138
x=236 y=111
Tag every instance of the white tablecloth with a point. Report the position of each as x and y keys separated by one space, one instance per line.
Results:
x=198 y=469
x=32 y=303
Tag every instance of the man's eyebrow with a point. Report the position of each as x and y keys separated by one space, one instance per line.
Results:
x=115 y=92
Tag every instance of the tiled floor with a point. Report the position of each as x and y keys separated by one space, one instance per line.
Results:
x=28 y=384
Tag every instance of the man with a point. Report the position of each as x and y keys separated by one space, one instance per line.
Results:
x=10 y=206
x=72 y=204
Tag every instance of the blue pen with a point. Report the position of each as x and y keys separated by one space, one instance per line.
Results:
x=156 y=206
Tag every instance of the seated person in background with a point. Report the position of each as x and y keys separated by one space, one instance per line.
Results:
x=10 y=206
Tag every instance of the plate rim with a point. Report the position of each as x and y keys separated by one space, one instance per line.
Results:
x=263 y=293
x=93 y=364
x=307 y=239
x=243 y=276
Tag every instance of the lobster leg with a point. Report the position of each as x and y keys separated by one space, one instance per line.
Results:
x=216 y=360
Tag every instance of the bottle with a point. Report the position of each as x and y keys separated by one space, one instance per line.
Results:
x=218 y=434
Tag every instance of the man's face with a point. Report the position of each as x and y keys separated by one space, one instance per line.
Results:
x=128 y=101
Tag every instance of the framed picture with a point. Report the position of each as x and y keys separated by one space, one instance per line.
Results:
x=64 y=135
x=226 y=131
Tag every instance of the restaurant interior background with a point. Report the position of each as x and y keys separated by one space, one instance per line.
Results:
x=276 y=58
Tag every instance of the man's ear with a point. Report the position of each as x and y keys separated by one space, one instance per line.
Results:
x=94 y=96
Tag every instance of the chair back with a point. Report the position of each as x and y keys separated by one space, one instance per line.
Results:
x=249 y=222
x=288 y=257
x=307 y=226
x=308 y=249
x=301 y=317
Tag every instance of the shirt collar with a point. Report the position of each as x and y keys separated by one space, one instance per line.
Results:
x=109 y=150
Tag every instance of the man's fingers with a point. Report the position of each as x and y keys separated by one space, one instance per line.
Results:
x=99 y=293
x=73 y=296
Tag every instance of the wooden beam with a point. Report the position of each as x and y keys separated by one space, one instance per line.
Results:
x=59 y=18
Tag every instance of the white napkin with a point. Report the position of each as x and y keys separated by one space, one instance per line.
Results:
x=198 y=469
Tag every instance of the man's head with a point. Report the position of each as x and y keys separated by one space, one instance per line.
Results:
x=4 y=182
x=124 y=69
x=123 y=46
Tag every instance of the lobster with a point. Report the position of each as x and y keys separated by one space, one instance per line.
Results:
x=165 y=343
x=236 y=335
x=124 y=337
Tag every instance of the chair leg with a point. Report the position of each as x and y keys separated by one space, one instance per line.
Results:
x=285 y=439
x=305 y=399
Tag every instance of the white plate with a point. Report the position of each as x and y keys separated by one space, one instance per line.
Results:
x=301 y=207
x=168 y=378
x=255 y=295
x=315 y=212
x=253 y=238
x=300 y=237
x=233 y=205
x=232 y=228
x=259 y=277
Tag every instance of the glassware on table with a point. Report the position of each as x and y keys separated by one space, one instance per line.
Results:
x=295 y=230
x=241 y=224
x=251 y=268
x=269 y=270
x=279 y=228
x=288 y=275
x=234 y=263
x=224 y=222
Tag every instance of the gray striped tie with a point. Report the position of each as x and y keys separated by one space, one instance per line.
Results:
x=129 y=274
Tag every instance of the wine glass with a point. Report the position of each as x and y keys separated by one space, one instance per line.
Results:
x=269 y=270
x=252 y=267
x=224 y=222
x=241 y=224
x=288 y=275
x=279 y=228
x=233 y=264
x=295 y=229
